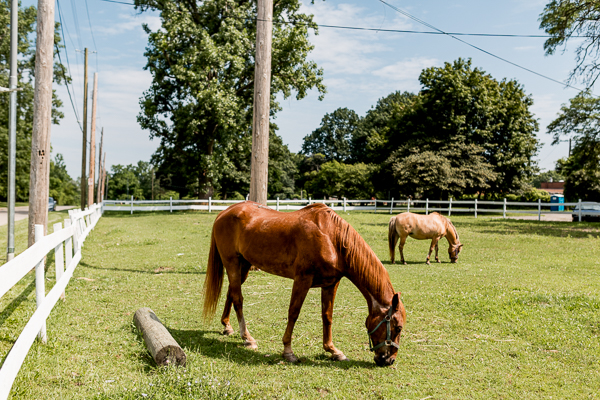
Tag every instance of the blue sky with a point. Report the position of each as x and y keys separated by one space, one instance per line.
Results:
x=360 y=67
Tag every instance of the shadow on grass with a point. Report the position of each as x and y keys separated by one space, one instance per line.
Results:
x=141 y=271
x=13 y=305
x=221 y=347
x=542 y=228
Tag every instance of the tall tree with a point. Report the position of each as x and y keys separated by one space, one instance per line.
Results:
x=25 y=78
x=64 y=189
x=333 y=138
x=463 y=112
x=564 y=19
x=202 y=61
x=581 y=121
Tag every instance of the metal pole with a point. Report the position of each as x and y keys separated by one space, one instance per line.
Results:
x=84 y=150
x=12 y=128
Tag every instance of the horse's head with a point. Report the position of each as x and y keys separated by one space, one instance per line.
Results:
x=384 y=325
x=453 y=251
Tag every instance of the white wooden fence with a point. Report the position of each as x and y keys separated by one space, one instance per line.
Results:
x=69 y=239
x=392 y=206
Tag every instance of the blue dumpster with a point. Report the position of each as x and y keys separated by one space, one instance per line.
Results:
x=557 y=198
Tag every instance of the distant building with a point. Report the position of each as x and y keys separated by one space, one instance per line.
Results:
x=553 y=187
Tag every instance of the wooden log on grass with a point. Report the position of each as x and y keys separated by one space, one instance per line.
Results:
x=161 y=345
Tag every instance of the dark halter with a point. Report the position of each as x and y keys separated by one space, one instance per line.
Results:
x=388 y=341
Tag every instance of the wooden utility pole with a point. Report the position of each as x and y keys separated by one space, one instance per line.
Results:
x=262 y=97
x=92 y=170
x=100 y=172
x=84 y=149
x=39 y=176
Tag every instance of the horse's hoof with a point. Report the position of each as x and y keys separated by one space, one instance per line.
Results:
x=404 y=263
x=339 y=357
x=428 y=263
x=228 y=331
x=438 y=261
x=290 y=357
x=250 y=344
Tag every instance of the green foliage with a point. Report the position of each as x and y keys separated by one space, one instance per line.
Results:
x=333 y=138
x=200 y=101
x=132 y=180
x=553 y=175
x=25 y=77
x=476 y=135
x=64 y=189
x=532 y=194
x=566 y=19
x=335 y=179
x=580 y=120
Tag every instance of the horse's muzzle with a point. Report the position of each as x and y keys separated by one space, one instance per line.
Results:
x=384 y=361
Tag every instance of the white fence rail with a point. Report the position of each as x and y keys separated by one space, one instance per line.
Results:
x=392 y=206
x=69 y=239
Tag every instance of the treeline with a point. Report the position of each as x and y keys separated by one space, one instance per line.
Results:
x=465 y=134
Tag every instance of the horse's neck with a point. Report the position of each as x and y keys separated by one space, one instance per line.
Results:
x=376 y=292
x=451 y=234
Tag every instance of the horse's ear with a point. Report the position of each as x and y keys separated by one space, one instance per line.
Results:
x=460 y=246
x=396 y=301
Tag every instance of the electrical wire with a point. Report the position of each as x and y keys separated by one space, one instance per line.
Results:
x=453 y=36
x=92 y=33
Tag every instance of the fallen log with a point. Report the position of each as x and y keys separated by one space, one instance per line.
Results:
x=161 y=345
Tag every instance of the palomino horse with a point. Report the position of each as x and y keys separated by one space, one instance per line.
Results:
x=433 y=226
x=315 y=248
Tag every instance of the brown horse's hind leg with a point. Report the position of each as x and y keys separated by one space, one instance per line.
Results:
x=401 y=247
x=437 y=259
x=228 y=302
x=299 y=290
x=235 y=274
x=327 y=299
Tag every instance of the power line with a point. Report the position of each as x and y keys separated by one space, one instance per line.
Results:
x=453 y=36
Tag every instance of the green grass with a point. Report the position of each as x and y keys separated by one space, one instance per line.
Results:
x=517 y=317
x=4 y=204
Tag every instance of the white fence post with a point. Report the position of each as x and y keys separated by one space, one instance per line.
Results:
x=504 y=209
x=475 y=208
x=210 y=204
x=579 y=207
x=375 y=205
x=132 y=204
x=539 y=209
x=450 y=207
x=309 y=201
x=426 y=206
x=392 y=206
x=247 y=197
x=277 y=208
x=59 y=264
x=344 y=204
x=40 y=288
x=171 y=204
x=408 y=205
x=68 y=249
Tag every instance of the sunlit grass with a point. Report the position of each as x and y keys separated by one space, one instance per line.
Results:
x=517 y=317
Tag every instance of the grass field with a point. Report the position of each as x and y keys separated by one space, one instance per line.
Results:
x=518 y=317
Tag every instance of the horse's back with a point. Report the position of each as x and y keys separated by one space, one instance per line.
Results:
x=420 y=226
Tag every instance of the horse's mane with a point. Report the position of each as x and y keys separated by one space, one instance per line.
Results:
x=358 y=256
x=453 y=228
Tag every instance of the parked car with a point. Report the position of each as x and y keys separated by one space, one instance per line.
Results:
x=589 y=212
x=51 y=204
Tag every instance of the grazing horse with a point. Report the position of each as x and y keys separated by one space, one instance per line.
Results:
x=433 y=226
x=314 y=247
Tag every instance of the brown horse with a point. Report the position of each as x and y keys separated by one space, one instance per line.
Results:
x=433 y=226
x=315 y=248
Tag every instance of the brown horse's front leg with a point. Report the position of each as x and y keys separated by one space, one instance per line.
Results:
x=327 y=299
x=299 y=290
x=437 y=259
x=433 y=245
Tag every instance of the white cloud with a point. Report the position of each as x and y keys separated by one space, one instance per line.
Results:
x=406 y=70
x=126 y=23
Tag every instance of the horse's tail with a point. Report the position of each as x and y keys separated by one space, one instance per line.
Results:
x=392 y=238
x=213 y=282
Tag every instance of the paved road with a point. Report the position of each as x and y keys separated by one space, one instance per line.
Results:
x=23 y=213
